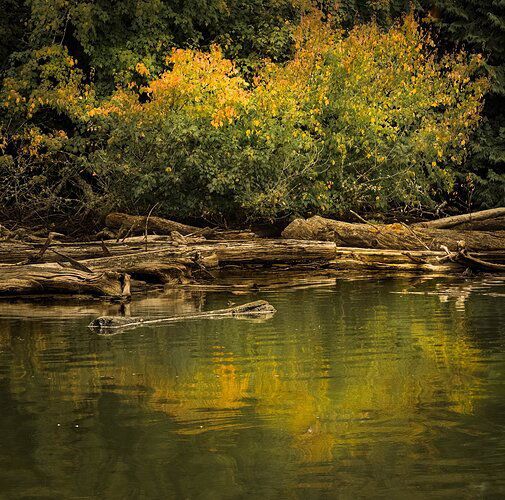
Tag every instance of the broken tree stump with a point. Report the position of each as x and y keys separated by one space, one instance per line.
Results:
x=251 y=309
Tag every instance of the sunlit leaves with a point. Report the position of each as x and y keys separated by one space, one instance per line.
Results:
x=367 y=119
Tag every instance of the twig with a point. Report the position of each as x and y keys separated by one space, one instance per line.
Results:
x=147 y=221
x=417 y=260
x=73 y=262
x=469 y=259
x=105 y=250
x=128 y=233
x=415 y=236
x=365 y=221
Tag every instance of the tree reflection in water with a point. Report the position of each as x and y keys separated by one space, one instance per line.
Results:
x=364 y=388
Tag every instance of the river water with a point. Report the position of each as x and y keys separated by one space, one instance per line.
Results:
x=390 y=388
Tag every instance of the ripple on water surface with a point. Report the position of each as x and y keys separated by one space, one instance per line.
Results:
x=369 y=388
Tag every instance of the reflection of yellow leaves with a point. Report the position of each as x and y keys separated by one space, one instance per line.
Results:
x=223 y=380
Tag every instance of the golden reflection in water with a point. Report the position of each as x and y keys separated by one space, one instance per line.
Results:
x=320 y=396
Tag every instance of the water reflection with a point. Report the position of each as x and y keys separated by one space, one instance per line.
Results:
x=365 y=389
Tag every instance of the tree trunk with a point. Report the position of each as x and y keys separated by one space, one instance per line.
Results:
x=43 y=279
x=136 y=224
x=211 y=254
x=170 y=264
x=393 y=236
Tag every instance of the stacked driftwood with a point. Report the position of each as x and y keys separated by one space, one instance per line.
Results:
x=134 y=249
x=473 y=241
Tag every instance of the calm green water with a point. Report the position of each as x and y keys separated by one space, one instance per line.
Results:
x=364 y=389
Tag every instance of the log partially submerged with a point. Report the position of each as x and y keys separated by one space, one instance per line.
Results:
x=259 y=308
x=391 y=236
x=307 y=246
x=175 y=264
x=175 y=260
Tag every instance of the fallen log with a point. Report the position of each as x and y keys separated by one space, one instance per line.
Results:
x=251 y=309
x=43 y=279
x=391 y=236
x=172 y=264
x=471 y=221
x=478 y=264
x=25 y=252
x=176 y=261
x=138 y=224
x=495 y=224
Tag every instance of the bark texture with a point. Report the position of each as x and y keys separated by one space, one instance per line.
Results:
x=37 y=279
x=493 y=219
x=392 y=236
x=137 y=224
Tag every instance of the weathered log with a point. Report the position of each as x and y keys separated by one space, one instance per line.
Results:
x=176 y=260
x=251 y=309
x=391 y=236
x=43 y=279
x=192 y=262
x=396 y=261
x=137 y=224
x=472 y=221
x=24 y=252
x=496 y=224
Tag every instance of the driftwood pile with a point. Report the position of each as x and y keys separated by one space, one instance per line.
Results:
x=152 y=249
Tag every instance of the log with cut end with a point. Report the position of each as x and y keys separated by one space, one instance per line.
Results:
x=259 y=308
x=391 y=236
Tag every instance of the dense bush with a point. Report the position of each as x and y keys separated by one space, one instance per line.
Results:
x=480 y=25
x=311 y=116
x=44 y=138
x=371 y=119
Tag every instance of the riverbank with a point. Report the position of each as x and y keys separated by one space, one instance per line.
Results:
x=135 y=251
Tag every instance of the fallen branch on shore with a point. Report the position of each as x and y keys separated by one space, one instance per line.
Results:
x=259 y=308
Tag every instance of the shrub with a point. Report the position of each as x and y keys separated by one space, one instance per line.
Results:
x=44 y=138
x=373 y=119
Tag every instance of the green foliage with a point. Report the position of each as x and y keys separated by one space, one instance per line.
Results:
x=480 y=25
x=370 y=120
x=65 y=64
x=43 y=137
